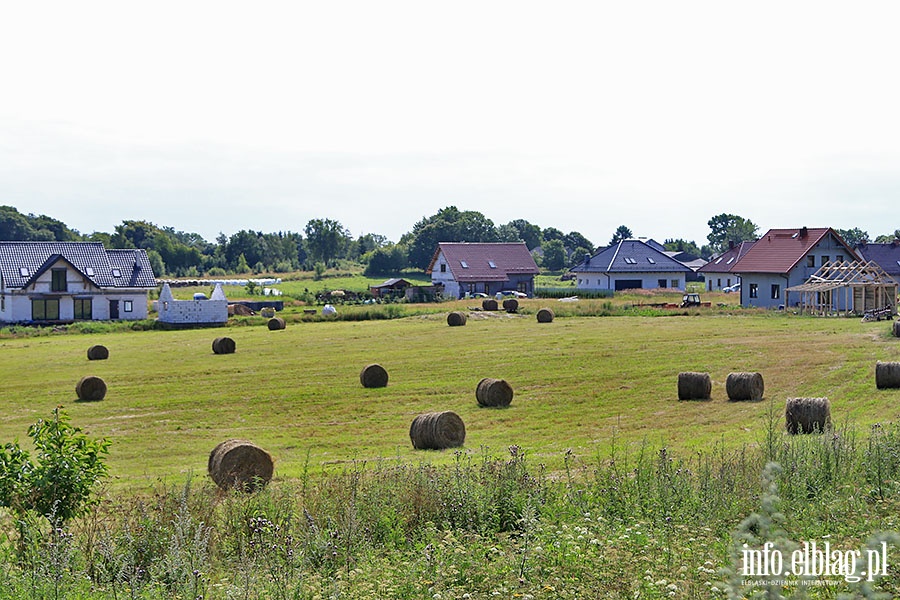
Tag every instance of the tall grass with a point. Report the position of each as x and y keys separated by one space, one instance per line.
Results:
x=639 y=521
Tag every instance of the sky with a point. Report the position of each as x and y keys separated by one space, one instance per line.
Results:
x=212 y=117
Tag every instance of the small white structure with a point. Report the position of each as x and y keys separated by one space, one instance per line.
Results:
x=193 y=312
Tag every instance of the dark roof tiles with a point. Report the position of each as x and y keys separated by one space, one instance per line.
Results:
x=20 y=261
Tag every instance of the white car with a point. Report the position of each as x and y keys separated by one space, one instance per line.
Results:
x=732 y=288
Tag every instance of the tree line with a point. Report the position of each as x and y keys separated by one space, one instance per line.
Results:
x=325 y=243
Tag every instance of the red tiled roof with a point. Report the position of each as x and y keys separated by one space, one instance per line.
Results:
x=508 y=259
x=725 y=262
x=780 y=250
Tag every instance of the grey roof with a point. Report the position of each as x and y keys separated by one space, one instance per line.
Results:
x=887 y=256
x=630 y=256
x=21 y=262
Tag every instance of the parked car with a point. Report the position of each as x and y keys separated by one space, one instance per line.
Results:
x=732 y=288
x=514 y=293
x=478 y=295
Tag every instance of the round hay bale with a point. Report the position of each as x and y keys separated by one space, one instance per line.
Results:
x=493 y=393
x=510 y=305
x=90 y=388
x=223 y=345
x=807 y=415
x=896 y=328
x=545 y=315
x=694 y=386
x=239 y=464
x=489 y=304
x=98 y=352
x=373 y=376
x=276 y=323
x=436 y=431
x=744 y=386
x=887 y=375
x=456 y=319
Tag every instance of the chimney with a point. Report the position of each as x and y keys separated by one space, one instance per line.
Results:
x=803 y=232
x=587 y=259
x=731 y=244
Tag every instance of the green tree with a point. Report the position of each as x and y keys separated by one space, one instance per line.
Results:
x=681 y=245
x=448 y=225
x=385 y=261
x=14 y=226
x=552 y=233
x=888 y=238
x=242 y=266
x=575 y=240
x=58 y=482
x=622 y=233
x=326 y=240
x=727 y=228
x=853 y=236
x=528 y=233
x=555 y=257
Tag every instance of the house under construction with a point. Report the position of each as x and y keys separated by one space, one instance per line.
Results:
x=857 y=287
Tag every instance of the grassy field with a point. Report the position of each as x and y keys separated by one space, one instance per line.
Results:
x=579 y=383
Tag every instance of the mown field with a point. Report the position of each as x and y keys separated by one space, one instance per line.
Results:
x=579 y=383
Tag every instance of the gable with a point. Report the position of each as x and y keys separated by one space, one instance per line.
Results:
x=57 y=261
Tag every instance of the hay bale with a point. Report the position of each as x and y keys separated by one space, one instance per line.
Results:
x=373 y=376
x=694 y=386
x=239 y=464
x=240 y=310
x=436 y=431
x=545 y=315
x=489 y=304
x=896 y=328
x=744 y=386
x=276 y=323
x=807 y=415
x=887 y=375
x=267 y=311
x=98 y=352
x=456 y=319
x=493 y=393
x=223 y=345
x=90 y=388
x=510 y=305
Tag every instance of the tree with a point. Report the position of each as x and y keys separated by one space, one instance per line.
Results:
x=528 y=233
x=386 y=260
x=853 y=236
x=554 y=255
x=448 y=225
x=727 y=228
x=552 y=233
x=575 y=240
x=326 y=240
x=681 y=245
x=14 y=226
x=888 y=238
x=622 y=233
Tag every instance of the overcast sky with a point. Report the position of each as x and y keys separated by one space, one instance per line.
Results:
x=219 y=116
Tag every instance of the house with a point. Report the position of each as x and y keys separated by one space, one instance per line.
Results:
x=58 y=282
x=783 y=258
x=719 y=271
x=196 y=312
x=390 y=289
x=462 y=268
x=887 y=256
x=629 y=264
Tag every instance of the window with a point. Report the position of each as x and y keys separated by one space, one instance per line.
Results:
x=651 y=261
x=58 y=283
x=45 y=309
x=464 y=264
x=2 y=303
x=838 y=259
x=128 y=306
x=730 y=260
x=116 y=273
x=810 y=261
x=90 y=271
x=660 y=283
x=492 y=264
x=754 y=290
x=776 y=291
x=23 y=271
x=83 y=308
x=719 y=282
x=443 y=268
x=728 y=282
x=675 y=283
x=825 y=259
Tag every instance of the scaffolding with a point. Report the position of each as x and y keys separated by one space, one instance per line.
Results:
x=848 y=288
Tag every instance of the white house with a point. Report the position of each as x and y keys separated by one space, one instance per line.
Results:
x=212 y=311
x=487 y=268
x=630 y=264
x=719 y=272
x=58 y=282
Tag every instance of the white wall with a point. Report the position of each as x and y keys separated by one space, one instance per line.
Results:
x=603 y=281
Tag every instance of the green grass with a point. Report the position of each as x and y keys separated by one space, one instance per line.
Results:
x=577 y=381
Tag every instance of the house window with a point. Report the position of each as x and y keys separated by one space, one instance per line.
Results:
x=23 y=271
x=838 y=259
x=661 y=283
x=58 y=281
x=675 y=283
x=83 y=308
x=2 y=303
x=443 y=268
x=824 y=259
x=719 y=282
x=522 y=286
x=810 y=261
x=728 y=282
x=45 y=309
x=128 y=306
x=492 y=264
x=776 y=291
x=90 y=271
x=116 y=273
x=651 y=261
x=754 y=290
x=464 y=264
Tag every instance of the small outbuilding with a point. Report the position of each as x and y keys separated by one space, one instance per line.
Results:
x=390 y=289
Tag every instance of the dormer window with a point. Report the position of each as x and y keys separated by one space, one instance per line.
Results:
x=23 y=271
x=90 y=271
x=116 y=273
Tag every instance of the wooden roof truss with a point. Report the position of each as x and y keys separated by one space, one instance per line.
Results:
x=855 y=287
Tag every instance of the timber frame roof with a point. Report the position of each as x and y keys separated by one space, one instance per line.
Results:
x=833 y=275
